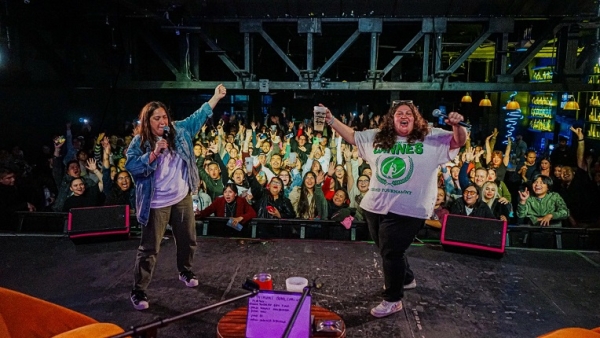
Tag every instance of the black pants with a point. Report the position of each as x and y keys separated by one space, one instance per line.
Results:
x=393 y=234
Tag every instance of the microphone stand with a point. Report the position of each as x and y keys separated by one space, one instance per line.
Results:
x=150 y=330
x=305 y=292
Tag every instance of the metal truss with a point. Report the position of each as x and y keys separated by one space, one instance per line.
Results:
x=426 y=43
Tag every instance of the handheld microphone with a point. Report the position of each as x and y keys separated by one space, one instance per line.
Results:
x=438 y=113
x=166 y=131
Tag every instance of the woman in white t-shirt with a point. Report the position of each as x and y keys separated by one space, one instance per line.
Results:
x=404 y=156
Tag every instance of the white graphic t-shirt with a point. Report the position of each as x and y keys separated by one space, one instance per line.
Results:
x=404 y=178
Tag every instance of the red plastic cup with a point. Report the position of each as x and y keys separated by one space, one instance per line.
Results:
x=263 y=280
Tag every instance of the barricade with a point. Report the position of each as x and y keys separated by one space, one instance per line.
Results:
x=561 y=238
x=285 y=228
x=553 y=237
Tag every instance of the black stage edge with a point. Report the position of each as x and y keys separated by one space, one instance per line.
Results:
x=524 y=294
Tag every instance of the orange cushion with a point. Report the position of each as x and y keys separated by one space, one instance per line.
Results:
x=25 y=316
x=573 y=332
x=96 y=330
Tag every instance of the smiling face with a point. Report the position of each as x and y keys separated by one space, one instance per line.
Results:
x=454 y=172
x=310 y=181
x=363 y=183
x=124 y=181
x=567 y=174
x=158 y=121
x=404 y=120
x=558 y=171
x=77 y=187
x=480 y=176
x=540 y=189
x=470 y=196
x=339 y=198
x=197 y=150
x=489 y=191
x=121 y=164
x=276 y=161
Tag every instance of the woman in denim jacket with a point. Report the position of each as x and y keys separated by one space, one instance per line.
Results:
x=161 y=160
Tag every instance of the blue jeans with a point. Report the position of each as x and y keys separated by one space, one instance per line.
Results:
x=393 y=234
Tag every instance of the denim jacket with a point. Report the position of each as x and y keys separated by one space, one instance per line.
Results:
x=138 y=157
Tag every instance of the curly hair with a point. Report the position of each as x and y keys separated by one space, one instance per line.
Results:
x=386 y=137
x=143 y=129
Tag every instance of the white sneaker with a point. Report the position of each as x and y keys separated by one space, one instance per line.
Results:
x=189 y=279
x=386 y=308
x=409 y=286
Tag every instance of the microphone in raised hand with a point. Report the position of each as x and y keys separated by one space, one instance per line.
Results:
x=438 y=113
x=166 y=131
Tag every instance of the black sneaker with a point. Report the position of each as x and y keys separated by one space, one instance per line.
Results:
x=188 y=278
x=139 y=300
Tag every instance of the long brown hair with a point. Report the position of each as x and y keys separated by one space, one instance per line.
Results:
x=386 y=137
x=143 y=129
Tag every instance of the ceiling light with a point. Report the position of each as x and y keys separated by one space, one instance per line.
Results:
x=513 y=105
x=467 y=98
x=571 y=104
x=485 y=102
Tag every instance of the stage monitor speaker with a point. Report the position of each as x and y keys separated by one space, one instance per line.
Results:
x=474 y=233
x=98 y=221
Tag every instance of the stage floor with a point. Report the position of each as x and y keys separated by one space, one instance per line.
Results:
x=524 y=294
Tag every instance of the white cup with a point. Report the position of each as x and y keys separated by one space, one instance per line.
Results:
x=296 y=284
x=319 y=118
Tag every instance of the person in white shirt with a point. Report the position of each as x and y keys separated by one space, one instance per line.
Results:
x=404 y=154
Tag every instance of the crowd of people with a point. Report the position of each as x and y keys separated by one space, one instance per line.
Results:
x=297 y=172
x=388 y=169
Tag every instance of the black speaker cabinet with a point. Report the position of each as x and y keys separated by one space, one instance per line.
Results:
x=474 y=233
x=98 y=221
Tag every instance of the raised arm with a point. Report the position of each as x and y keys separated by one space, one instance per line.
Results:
x=343 y=130
x=506 y=158
x=580 y=148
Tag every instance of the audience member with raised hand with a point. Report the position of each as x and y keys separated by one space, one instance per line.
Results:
x=545 y=208
x=229 y=205
x=308 y=199
x=494 y=158
x=74 y=171
x=162 y=163
x=270 y=201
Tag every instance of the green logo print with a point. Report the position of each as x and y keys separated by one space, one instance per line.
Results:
x=394 y=170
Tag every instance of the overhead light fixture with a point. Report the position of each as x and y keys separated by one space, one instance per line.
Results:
x=571 y=104
x=467 y=98
x=485 y=102
x=512 y=104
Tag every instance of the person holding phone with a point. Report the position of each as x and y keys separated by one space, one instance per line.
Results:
x=161 y=160
x=405 y=153
x=270 y=202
